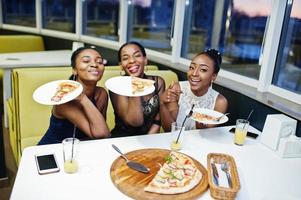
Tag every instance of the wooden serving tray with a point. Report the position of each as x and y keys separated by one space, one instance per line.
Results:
x=132 y=183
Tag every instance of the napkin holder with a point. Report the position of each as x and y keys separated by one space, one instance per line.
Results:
x=289 y=147
x=278 y=134
x=277 y=126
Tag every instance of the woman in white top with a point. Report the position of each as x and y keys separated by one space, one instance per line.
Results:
x=197 y=90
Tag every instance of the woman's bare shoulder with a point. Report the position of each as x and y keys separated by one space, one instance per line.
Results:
x=101 y=93
x=221 y=103
x=222 y=99
x=100 y=89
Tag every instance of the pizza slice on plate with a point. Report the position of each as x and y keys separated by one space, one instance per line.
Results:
x=178 y=174
x=63 y=89
x=139 y=84
x=203 y=117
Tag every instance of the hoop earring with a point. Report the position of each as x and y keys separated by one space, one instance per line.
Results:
x=122 y=72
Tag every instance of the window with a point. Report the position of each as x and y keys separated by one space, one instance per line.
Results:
x=19 y=12
x=100 y=18
x=235 y=27
x=59 y=15
x=150 y=23
x=197 y=27
x=287 y=72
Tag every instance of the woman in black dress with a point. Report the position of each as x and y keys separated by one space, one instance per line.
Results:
x=136 y=115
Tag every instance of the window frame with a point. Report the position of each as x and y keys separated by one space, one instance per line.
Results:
x=280 y=50
x=61 y=34
x=1 y=14
x=17 y=27
x=233 y=81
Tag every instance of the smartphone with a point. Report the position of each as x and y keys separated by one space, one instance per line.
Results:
x=47 y=164
x=249 y=134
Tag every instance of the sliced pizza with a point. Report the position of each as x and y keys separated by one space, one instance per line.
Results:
x=178 y=174
x=140 y=84
x=63 y=89
x=203 y=117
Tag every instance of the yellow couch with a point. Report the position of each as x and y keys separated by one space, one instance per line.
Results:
x=28 y=120
x=28 y=117
x=21 y=43
x=13 y=44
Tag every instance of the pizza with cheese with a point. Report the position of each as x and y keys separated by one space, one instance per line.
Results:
x=178 y=174
x=202 y=117
x=140 y=84
x=63 y=89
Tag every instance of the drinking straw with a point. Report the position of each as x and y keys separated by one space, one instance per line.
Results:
x=74 y=129
x=188 y=115
x=250 y=115
x=248 y=118
x=73 y=137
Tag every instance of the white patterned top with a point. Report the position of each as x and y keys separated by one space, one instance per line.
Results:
x=187 y=99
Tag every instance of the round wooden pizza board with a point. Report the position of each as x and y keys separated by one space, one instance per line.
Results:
x=132 y=182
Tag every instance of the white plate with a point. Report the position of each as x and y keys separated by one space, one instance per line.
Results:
x=44 y=93
x=212 y=113
x=122 y=85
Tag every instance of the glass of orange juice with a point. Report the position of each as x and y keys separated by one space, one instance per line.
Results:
x=70 y=148
x=241 y=130
x=176 y=143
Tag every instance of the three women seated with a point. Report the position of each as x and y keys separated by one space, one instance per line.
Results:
x=85 y=116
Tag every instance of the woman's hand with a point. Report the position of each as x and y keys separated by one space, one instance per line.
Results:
x=171 y=94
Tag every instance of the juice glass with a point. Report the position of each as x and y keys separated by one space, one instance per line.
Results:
x=70 y=150
x=241 y=130
x=175 y=130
